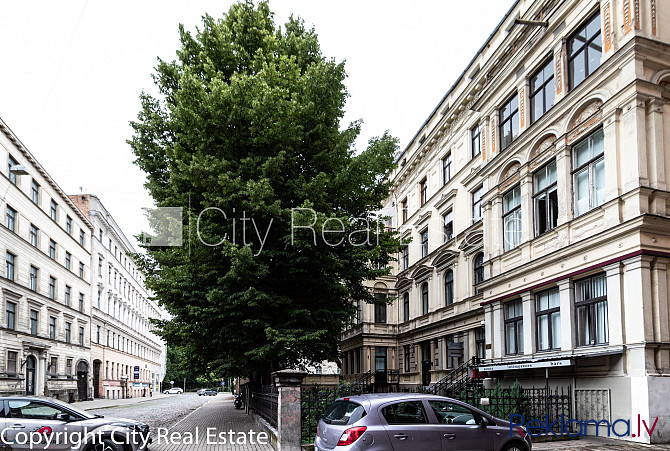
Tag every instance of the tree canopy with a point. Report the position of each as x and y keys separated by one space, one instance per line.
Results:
x=280 y=232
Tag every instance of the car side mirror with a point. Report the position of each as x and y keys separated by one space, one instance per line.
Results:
x=63 y=417
x=484 y=422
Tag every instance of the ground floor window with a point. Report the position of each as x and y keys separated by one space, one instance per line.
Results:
x=405 y=350
x=591 y=311
x=548 y=315
x=514 y=327
x=380 y=359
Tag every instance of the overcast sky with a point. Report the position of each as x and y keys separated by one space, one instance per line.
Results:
x=72 y=72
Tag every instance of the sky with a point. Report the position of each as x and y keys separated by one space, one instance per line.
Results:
x=72 y=72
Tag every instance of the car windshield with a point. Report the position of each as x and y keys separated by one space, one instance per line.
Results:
x=74 y=409
x=344 y=413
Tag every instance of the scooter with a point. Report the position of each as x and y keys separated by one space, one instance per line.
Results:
x=238 y=401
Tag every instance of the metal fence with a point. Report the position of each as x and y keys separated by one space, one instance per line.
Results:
x=265 y=401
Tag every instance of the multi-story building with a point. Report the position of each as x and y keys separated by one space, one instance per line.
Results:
x=44 y=284
x=536 y=197
x=128 y=357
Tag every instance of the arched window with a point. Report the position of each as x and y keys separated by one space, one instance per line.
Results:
x=424 y=297
x=405 y=306
x=449 y=287
x=479 y=271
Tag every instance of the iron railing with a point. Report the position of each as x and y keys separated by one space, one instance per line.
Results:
x=456 y=381
x=265 y=402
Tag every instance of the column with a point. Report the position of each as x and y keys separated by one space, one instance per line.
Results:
x=526 y=188
x=528 y=323
x=288 y=416
x=615 y=308
x=496 y=326
x=560 y=75
x=41 y=374
x=638 y=318
x=659 y=295
x=488 y=330
x=656 y=150
x=566 y=294
x=634 y=145
x=614 y=159
x=563 y=182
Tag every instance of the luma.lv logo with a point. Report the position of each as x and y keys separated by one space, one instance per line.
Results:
x=619 y=428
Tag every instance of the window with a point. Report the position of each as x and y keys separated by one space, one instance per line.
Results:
x=34 y=274
x=448 y=225
x=478 y=271
x=100 y=267
x=405 y=306
x=545 y=199
x=548 y=314
x=52 y=249
x=81 y=302
x=477 y=204
x=82 y=237
x=68 y=367
x=68 y=261
x=446 y=168
x=405 y=257
x=406 y=356
x=589 y=173
x=407 y=412
x=403 y=209
x=68 y=332
x=52 y=288
x=584 y=51
x=11 y=363
x=81 y=270
x=380 y=309
x=512 y=218
x=480 y=342
x=97 y=334
x=10 y=315
x=448 y=287
x=68 y=294
x=542 y=91
x=12 y=175
x=52 y=327
x=591 y=311
x=32 y=236
x=509 y=121
x=53 y=366
x=476 y=141
x=54 y=210
x=380 y=359
x=424 y=243
x=34 y=316
x=423 y=191
x=451 y=413
x=81 y=336
x=10 y=219
x=9 y=265
x=514 y=327
x=99 y=299
x=68 y=225
x=35 y=192
x=424 y=298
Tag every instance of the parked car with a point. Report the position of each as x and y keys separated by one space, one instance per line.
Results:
x=207 y=392
x=410 y=421
x=173 y=391
x=61 y=425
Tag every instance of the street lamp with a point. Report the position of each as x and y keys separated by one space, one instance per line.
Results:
x=15 y=169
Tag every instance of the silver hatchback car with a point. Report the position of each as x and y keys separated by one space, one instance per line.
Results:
x=30 y=422
x=410 y=421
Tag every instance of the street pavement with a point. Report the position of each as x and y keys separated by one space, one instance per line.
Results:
x=596 y=444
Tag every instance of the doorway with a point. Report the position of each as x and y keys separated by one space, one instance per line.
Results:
x=82 y=381
x=96 y=378
x=30 y=375
x=425 y=363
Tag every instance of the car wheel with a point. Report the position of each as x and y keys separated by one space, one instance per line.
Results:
x=107 y=445
x=513 y=447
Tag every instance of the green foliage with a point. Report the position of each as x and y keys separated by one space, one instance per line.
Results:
x=248 y=124
x=315 y=401
x=178 y=368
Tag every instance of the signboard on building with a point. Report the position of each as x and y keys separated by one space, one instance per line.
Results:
x=136 y=372
x=525 y=365
x=455 y=350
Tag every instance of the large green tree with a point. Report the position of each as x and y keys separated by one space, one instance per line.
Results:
x=246 y=137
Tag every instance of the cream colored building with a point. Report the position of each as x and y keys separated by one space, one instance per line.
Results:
x=128 y=358
x=45 y=243
x=536 y=197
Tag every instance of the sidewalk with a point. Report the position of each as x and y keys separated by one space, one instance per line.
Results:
x=211 y=428
x=595 y=444
x=107 y=403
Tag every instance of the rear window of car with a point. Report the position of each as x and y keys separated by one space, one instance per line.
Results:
x=344 y=413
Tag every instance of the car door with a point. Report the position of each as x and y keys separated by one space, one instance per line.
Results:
x=26 y=416
x=408 y=427
x=460 y=428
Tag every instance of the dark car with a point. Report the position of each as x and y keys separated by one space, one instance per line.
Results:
x=207 y=392
x=400 y=422
x=31 y=422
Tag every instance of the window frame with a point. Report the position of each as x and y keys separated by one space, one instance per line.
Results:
x=423 y=191
x=448 y=225
x=381 y=316
x=425 y=298
x=478 y=271
x=34 y=274
x=590 y=304
x=541 y=89
x=11 y=175
x=447 y=162
x=475 y=141
x=406 y=358
x=33 y=235
x=52 y=327
x=405 y=307
x=52 y=249
x=404 y=210
x=10 y=218
x=10 y=315
x=509 y=120
x=515 y=214
x=588 y=166
x=68 y=332
x=546 y=192
x=68 y=225
x=424 y=243
x=449 y=287
x=583 y=50
x=35 y=192
x=53 y=213
x=34 y=321
x=10 y=266
x=548 y=312
x=517 y=323
x=477 y=204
